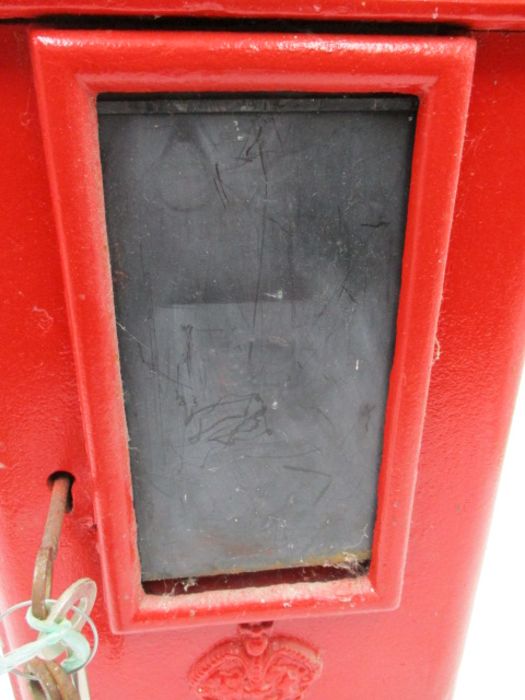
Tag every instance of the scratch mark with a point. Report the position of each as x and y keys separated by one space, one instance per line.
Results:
x=315 y=472
x=229 y=429
x=323 y=414
x=254 y=143
x=322 y=492
x=263 y=232
x=365 y=414
x=300 y=454
x=187 y=353
x=306 y=470
x=379 y=224
x=335 y=295
x=160 y=373
x=350 y=295
x=155 y=369
x=219 y=186
x=133 y=337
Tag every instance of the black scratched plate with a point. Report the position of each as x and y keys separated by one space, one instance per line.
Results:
x=256 y=249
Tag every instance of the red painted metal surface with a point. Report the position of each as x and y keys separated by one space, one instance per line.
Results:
x=410 y=652
x=477 y=14
x=70 y=69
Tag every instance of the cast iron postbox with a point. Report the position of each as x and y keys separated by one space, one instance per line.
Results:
x=263 y=299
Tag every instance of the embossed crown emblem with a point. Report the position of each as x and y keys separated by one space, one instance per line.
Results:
x=256 y=666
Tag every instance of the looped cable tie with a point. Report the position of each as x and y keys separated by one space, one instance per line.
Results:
x=72 y=642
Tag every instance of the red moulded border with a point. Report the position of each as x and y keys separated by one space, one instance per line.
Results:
x=478 y=14
x=71 y=69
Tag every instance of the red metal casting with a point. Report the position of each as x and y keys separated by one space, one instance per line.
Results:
x=70 y=69
x=477 y=14
x=62 y=407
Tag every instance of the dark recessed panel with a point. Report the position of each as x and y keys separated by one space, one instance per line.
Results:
x=256 y=250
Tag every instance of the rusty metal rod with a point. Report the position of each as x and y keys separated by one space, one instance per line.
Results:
x=43 y=571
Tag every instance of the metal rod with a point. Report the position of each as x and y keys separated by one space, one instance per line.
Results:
x=43 y=571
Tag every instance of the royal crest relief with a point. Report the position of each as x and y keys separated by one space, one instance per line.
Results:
x=256 y=665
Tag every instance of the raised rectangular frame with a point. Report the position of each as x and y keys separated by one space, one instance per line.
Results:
x=71 y=69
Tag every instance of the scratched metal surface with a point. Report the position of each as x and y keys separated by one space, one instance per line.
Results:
x=256 y=248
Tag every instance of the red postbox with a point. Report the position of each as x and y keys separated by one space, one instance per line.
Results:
x=263 y=301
